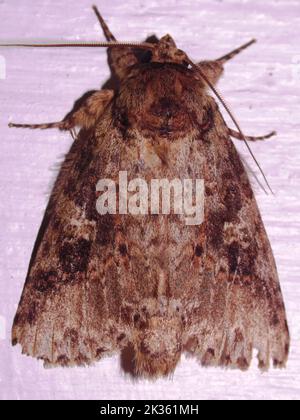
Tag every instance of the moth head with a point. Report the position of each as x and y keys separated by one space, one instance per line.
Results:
x=166 y=51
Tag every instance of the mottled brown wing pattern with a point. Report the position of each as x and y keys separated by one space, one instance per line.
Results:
x=101 y=284
x=240 y=306
x=63 y=303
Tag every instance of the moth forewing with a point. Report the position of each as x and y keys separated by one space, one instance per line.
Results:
x=105 y=278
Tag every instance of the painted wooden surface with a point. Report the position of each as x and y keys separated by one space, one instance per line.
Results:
x=262 y=86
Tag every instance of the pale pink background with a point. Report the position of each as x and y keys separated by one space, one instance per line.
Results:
x=262 y=86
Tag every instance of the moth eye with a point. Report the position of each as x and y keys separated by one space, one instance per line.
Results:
x=144 y=56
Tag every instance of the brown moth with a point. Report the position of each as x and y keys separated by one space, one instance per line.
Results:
x=149 y=285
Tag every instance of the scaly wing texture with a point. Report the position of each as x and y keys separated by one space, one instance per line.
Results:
x=238 y=304
x=99 y=284
x=64 y=317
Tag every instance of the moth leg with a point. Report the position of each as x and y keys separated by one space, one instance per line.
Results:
x=119 y=59
x=73 y=133
x=215 y=68
x=83 y=116
x=238 y=136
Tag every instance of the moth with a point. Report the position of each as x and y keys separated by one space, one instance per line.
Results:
x=150 y=286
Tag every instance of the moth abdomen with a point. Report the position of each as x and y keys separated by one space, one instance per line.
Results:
x=158 y=347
